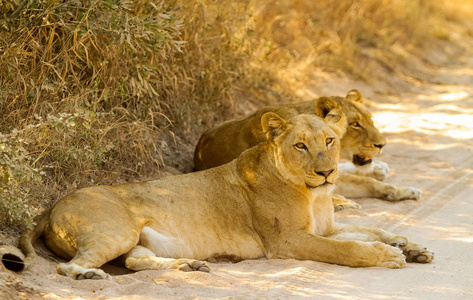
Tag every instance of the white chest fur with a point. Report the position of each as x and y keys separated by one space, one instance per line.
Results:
x=322 y=213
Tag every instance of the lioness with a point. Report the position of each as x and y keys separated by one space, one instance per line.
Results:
x=360 y=144
x=273 y=201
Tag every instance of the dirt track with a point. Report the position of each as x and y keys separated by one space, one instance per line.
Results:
x=430 y=146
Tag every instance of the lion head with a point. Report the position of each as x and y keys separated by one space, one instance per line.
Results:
x=362 y=140
x=306 y=148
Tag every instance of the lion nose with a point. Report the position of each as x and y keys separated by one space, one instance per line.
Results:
x=380 y=146
x=324 y=173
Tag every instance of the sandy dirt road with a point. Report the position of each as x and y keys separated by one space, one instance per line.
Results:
x=430 y=146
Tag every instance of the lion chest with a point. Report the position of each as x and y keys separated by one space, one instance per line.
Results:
x=321 y=215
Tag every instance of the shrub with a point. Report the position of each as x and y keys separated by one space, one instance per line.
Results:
x=90 y=88
x=19 y=180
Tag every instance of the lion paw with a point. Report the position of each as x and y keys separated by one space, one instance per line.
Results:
x=194 y=265
x=78 y=272
x=416 y=253
x=398 y=241
x=412 y=251
x=399 y=194
x=93 y=274
x=341 y=203
x=389 y=257
x=409 y=193
x=379 y=170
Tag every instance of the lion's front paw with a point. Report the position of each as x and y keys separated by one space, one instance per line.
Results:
x=409 y=193
x=341 y=203
x=412 y=251
x=417 y=253
x=388 y=256
x=399 y=194
x=379 y=170
x=398 y=241
x=194 y=265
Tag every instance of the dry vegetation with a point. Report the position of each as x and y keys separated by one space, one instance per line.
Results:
x=90 y=89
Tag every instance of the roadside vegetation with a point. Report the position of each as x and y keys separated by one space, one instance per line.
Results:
x=90 y=91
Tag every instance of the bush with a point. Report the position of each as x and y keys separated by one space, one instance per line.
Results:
x=90 y=88
x=19 y=181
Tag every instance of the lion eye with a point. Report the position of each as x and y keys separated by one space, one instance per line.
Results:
x=300 y=146
x=328 y=141
x=355 y=125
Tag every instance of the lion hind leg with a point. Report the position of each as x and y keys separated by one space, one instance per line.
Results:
x=90 y=256
x=141 y=258
x=94 y=251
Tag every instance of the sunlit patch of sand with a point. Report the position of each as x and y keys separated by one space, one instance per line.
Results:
x=444 y=119
x=449 y=96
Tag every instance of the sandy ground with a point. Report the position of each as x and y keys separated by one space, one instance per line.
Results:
x=430 y=146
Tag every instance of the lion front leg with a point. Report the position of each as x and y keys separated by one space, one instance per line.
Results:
x=305 y=246
x=412 y=251
x=377 y=169
x=354 y=186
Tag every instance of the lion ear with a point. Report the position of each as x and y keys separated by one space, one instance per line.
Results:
x=354 y=96
x=323 y=106
x=273 y=125
x=337 y=121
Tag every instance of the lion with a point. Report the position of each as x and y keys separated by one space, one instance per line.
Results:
x=273 y=201
x=362 y=141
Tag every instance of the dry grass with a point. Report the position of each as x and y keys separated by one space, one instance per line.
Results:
x=352 y=36
x=88 y=89
x=83 y=83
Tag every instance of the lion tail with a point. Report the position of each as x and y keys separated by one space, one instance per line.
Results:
x=16 y=262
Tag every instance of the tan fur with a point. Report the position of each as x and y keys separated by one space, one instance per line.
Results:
x=273 y=201
x=361 y=142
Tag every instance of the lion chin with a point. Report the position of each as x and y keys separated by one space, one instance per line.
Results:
x=325 y=184
x=360 y=160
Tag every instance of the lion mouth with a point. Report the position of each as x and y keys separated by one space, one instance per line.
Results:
x=360 y=160
x=311 y=187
